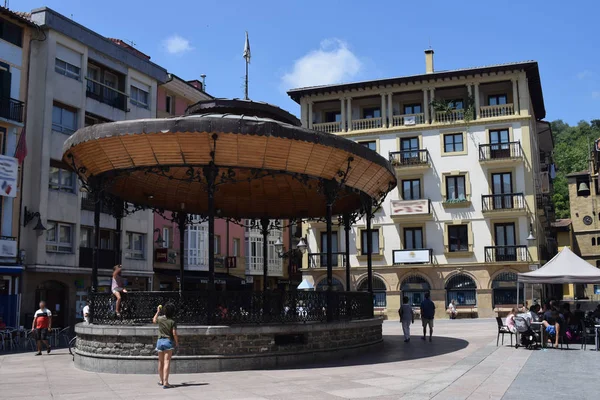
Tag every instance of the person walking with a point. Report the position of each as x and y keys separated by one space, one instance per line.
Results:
x=407 y=317
x=427 y=314
x=166 y=343
x=42 y=324
x=117 y=287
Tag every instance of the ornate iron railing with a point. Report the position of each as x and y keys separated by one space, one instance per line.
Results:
x=234 y=307
x=506 y=253
x=501 y=202
x=319 y=260
x=500 y=151
x=409 y=157
x=11 y=109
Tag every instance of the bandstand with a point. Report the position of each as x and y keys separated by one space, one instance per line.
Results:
x=243 y=161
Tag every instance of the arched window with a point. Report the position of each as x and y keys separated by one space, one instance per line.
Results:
x=414 y=287
x=378 y=290
x=336 y=285
x=504 y=287
x=462 y=289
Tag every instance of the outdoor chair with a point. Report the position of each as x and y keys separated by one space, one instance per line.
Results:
x=503 y=330
x=586 y=332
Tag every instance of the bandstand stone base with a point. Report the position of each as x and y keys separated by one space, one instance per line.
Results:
x=130 y=349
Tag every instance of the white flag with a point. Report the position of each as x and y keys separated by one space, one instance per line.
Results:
x=247 y=49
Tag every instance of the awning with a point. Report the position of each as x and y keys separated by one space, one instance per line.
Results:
x=565 y=267
x=11 y=269
x=201 y=276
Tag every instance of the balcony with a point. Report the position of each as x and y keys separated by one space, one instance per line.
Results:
x=367 y=123
x=328 y=127
x=506 y=254
x=413 y=256
x=502 y=110
x=450 y=116
x=319 y=260
x=509 y=203
x=254 y=266
x=108 y=258
x=106 y=94
x=408 y=119
x=410 y=210
x=409 y=161
x=499 y=153
x=11 y=109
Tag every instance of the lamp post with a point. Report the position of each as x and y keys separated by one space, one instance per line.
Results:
x=300 y=249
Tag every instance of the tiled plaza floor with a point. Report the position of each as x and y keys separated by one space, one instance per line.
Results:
x=462 y=362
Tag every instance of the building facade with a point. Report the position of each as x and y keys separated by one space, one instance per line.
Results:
x=15 y=38
x=79 y=78
x=472 y=158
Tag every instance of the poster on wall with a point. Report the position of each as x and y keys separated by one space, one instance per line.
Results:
x=9 y=170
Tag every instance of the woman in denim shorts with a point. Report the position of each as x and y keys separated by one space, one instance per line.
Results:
x=167 y=341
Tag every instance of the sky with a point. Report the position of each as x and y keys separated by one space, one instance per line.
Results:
x=302 y=43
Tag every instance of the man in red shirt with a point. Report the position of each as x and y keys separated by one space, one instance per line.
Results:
x=42 y=324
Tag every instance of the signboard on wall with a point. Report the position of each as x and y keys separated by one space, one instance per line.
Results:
x=412 y=256
x=9 y=170
x=410 y=207
x=8 y=248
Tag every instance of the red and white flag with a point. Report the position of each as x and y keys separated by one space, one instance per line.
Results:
x=21 y=150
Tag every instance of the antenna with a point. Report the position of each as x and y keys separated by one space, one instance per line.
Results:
x=6 y=4
x=130 y=42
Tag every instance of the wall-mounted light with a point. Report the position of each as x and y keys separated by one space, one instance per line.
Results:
x=530 y=238
x=28 y=216
x=159 y=240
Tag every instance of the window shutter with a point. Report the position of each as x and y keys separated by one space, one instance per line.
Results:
x=68 y=55
x=5 y=77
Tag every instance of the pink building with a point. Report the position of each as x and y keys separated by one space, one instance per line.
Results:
x=173 y=98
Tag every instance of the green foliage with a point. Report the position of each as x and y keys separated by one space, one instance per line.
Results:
x=447 y=106
x=571 y=154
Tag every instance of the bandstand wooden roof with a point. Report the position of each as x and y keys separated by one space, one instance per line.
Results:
x=273 y=166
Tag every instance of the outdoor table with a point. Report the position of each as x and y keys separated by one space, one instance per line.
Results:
x=539 y=325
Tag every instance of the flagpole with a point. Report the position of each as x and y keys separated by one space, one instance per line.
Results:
x=246 y=84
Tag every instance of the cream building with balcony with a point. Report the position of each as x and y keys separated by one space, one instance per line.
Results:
x=468 y=212
x=79 y=78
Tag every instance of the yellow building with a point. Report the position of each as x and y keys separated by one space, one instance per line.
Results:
x=472 y=207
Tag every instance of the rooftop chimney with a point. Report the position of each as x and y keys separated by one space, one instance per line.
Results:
x=429 y=61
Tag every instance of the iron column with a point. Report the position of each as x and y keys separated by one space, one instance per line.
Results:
x=347 y=249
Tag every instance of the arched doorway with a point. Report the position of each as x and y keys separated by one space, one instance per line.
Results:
x=55 y=294
x=379 y=290
x=504 y=287
x=462 y=289
x=336 y=285
x=414 y=287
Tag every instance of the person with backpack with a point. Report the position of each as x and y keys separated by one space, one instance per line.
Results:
x=407 y=317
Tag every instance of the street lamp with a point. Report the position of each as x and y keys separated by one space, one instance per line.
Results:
x=530 y=238
x=300 y=247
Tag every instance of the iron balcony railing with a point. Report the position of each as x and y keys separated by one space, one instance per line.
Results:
x=500 y=202
x=506 y=253
x=319 y=260
x=234 y=307
x=11 y=109
x=108 y=258
x=500 y=151
x=106 y=94
x=409 y=157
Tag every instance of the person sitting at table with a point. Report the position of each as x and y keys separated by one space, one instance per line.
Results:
x=510 y=320
x=567 y=314
x=533 y=313
x=578 y=314
x=596 y=313
x=552 y=327
x=2 y=324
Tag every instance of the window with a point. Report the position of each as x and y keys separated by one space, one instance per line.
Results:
x=593 y=241
x=86 y=236
x=497 y=100
x=372 y=144
x=379 y=289
x=455 y=188
x=412 y=109
x=457 y=104
x=217 y=244
x=135 y=245
x=462 y=289
x=504 y=287
x=453 y=143
x=333 y=116
x=373 y=112
x=64 y=120
x=375 y=236
x=413 y=238
x=61 y=179
x=334 y=249
x=11 y=33
x=458 y=238
x=66 y=69
x=166 y=236
x=139 y=97
x=107 y=239
x=169 y=105
x=336 y=285
x=414 y=287
x=59 y=237
x=236 y=247
x=411 y=189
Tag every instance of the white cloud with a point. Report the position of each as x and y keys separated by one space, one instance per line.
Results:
x=332 y=63
x=584 y=74
x=176 y=44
